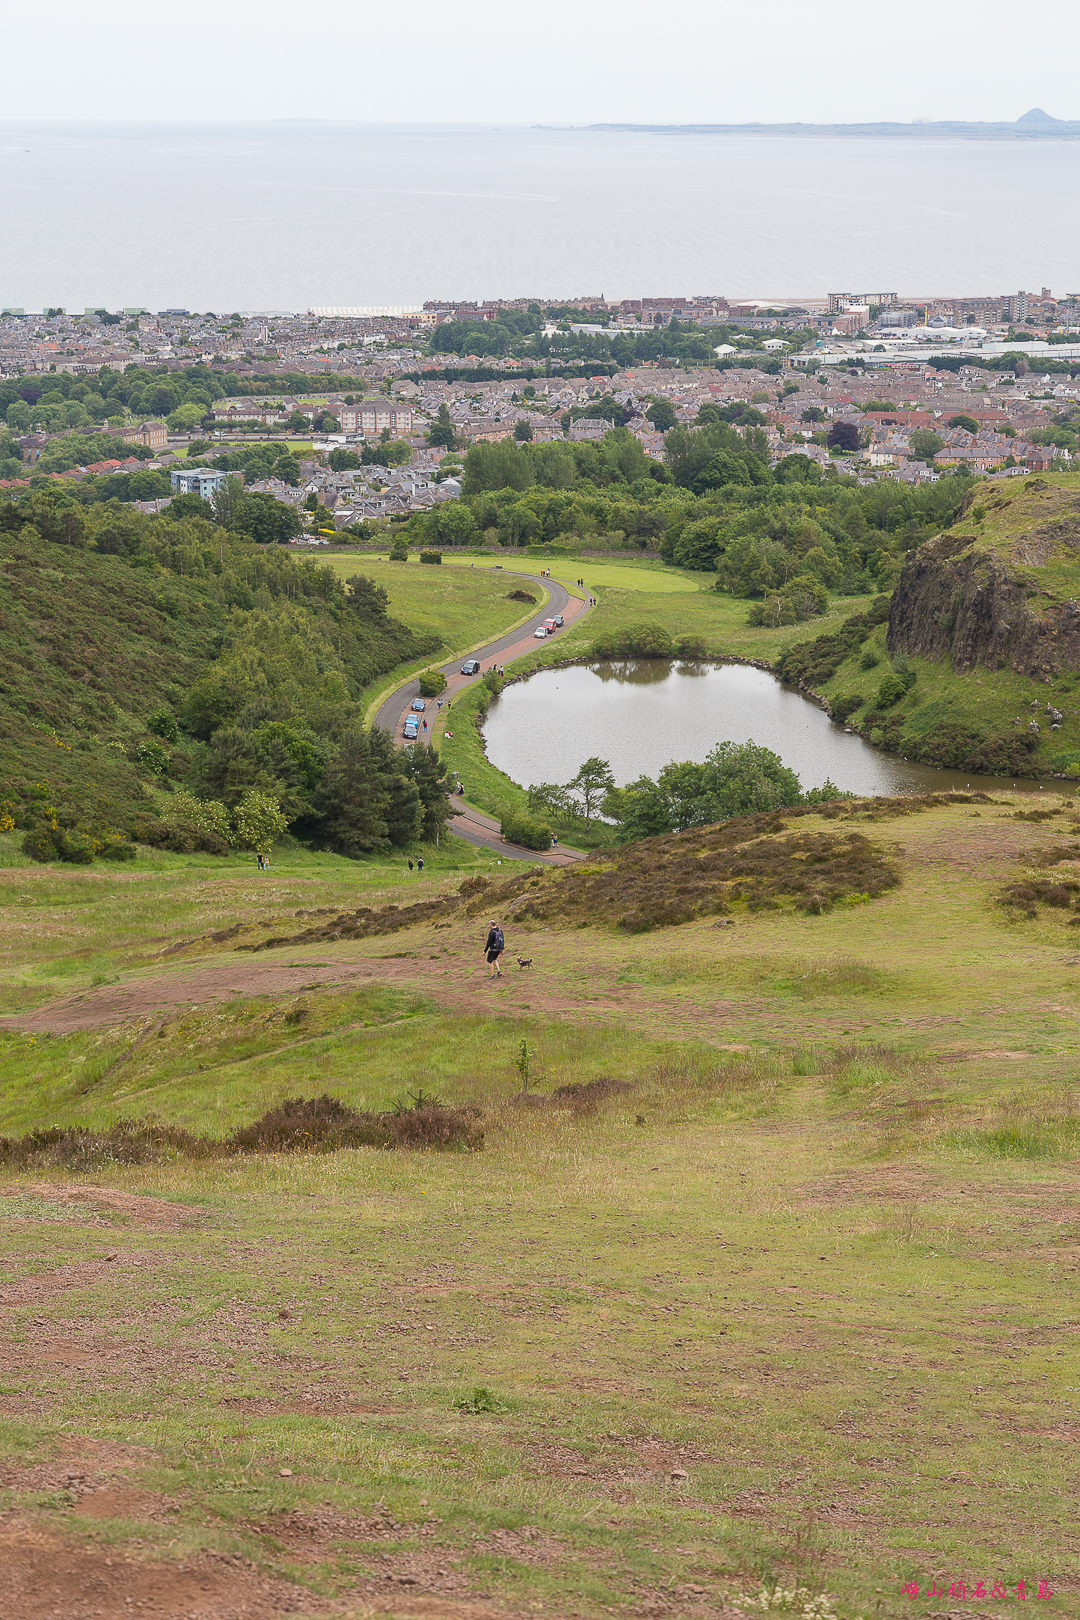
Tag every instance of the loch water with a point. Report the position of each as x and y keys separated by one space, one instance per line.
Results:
x=641 y=714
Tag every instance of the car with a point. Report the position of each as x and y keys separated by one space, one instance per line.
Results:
x=471 y=666
x=551 y=625
x=540 y=634
x=419 y=705
x=558 y=621
x=411 y=733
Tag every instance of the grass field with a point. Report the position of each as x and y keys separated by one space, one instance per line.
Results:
x=650 y=576
x=464 y=606
x=795 y=1310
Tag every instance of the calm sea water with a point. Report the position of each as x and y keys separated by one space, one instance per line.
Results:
x=641 y=715
x=286 y=215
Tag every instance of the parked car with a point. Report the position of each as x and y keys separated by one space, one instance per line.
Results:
x=540 y=634
x=419 y=705
x=551 y=625
x=411 y=733
x=471 y=666
x=558 y=621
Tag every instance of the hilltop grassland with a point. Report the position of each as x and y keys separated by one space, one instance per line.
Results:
x=753 y=1272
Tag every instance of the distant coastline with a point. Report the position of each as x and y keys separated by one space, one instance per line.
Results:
x=1033 y=125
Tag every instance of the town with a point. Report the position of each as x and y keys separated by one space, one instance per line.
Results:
x=374 y=407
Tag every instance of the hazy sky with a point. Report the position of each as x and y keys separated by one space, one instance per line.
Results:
x=553 y=61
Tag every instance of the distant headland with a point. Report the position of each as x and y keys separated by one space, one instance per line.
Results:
x=1033 y=125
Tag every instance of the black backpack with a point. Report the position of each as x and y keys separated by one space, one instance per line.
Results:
x=500 y=943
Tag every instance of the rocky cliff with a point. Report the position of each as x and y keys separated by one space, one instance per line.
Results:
x=1001 y=588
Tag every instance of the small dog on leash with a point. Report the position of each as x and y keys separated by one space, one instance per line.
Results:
x=524 y=961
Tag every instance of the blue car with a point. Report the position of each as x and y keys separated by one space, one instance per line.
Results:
x=419 y=705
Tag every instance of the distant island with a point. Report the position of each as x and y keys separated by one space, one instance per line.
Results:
x=1033 y=125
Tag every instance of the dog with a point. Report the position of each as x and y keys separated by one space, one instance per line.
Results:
x=524 y=961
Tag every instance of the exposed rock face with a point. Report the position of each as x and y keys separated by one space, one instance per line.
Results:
x=961 y=600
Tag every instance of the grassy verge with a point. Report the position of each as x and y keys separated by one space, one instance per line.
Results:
x=792 y=1310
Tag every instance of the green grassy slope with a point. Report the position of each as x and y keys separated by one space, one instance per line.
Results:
x=795 y=1310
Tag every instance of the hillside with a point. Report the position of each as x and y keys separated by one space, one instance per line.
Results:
x=978 y=666
x=680 y=1269
x=110 y=621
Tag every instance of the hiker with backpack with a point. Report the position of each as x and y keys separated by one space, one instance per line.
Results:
x=494 y=946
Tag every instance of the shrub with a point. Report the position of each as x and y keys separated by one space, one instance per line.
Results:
x=50 y=842
x=845 y=706
x=153 y=758
x=690 y=646
x=208 y=815
x=399 y=552
x=869 y=658
x=432 y=682
x=891 y=690
x=115 y=848
x=521 y=829
x=163 y=724
x=431 y=556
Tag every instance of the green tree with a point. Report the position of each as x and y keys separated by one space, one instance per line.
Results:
x=185 y=417
x=259 y=821
x=343 y=460
x=661 y=413
x=962 y=420
x=266 y=520
x=523 y=431
x=924 y=444
x=589 y=787
x=442 y=429
x=428 y=773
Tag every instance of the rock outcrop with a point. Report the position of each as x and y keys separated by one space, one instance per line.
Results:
x=997 y=599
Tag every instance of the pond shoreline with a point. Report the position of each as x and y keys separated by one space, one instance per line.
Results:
x=893 y=774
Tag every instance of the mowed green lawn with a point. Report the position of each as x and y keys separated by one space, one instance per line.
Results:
x=465 y=606
x=626 y=576
x=796 y=1309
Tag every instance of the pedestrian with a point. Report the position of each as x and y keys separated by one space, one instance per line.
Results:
x=425 y=725
x=420 y=863
x=494 y=946
x=410 y=864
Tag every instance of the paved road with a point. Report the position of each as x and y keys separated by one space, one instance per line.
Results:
x=469 y=823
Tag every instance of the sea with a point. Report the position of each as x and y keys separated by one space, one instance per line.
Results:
x=291 y=214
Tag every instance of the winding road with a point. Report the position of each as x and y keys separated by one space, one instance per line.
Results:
x=469 y=823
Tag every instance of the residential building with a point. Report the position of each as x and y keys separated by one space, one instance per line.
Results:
x=204 y=481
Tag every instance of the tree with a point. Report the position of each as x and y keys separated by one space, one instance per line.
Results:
x=592 y=782
x=523 y=431
x=968 y=423
x=297 y=422
x=844 y=435
x=185 y=417
x=452 y=524
x=428 y=773
x=259 y=821
x=343 y=460
x=442 y=429
x=813 y=413
x=267 y=521
x=661 y=413
x=924 y=444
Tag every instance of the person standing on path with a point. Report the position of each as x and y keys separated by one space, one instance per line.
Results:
x=494 y=946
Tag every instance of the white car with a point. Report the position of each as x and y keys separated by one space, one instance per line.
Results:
x=541 y=634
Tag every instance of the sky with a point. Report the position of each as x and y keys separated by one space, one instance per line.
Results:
x=552 y=61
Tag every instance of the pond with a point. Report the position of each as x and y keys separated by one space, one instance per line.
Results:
x=641 y=714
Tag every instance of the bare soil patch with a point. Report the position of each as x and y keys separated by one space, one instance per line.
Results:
x=43 y=1575
x=134 y=1207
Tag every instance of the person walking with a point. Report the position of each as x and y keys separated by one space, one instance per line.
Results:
x=494 y=946
x=410 y=864
x=420 y=863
